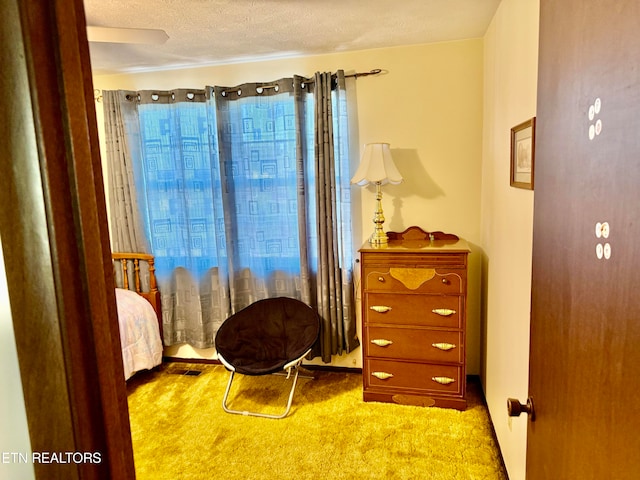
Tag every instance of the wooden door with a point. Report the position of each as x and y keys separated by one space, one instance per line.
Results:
x=585 y=327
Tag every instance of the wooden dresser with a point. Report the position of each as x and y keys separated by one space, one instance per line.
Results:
x=414 y=317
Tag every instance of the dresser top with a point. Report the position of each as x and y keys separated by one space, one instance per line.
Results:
x=415 y=239
x=420 y=246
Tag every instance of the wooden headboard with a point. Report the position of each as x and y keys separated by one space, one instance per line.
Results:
x=153 y=295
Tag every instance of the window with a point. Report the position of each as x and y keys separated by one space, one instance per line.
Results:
x=201 y=212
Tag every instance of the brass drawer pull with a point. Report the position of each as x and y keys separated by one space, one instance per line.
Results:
x=380 y=308
x=381 y=342
x=443 y=380
x=382 y=375
x=443 y=312
x=443 y=346
x=381 y=279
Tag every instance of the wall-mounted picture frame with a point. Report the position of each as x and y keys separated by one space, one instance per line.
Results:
x=523 y=154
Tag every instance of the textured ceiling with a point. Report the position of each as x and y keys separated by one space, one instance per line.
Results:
x=211 y=32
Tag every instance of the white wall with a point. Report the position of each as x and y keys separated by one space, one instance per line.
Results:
x=510 y=93
x=14 y=434
x=427 y=104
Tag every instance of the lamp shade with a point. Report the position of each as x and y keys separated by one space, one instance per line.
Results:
x=376 y=166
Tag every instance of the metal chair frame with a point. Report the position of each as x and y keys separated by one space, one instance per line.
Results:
x=291 y=366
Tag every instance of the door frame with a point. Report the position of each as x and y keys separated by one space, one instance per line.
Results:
x=55 y=240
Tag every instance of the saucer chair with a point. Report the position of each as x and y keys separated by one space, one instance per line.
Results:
x=269 y=336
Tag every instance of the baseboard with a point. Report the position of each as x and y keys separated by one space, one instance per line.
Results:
x=331 y=368
x=208 y=361
x=477 y=379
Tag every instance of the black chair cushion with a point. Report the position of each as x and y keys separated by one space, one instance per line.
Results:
x=263 y=337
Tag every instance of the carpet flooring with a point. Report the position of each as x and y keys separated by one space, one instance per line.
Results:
x=180 y=431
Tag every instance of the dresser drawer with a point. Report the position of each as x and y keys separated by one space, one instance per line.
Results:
x=415 y=280
x=415 y=344
x=423 y=310
x=428 y=259
x=414 y=376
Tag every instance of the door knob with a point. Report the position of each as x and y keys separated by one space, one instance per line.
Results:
x=515 y=408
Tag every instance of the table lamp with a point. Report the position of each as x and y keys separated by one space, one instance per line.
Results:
x=376 y=166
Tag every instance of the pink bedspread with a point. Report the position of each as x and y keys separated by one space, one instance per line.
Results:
x=139 y=332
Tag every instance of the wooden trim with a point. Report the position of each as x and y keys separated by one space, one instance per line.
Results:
x=417 y=233
x=56 y=229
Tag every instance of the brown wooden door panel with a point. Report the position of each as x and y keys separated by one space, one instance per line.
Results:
x=584 y=372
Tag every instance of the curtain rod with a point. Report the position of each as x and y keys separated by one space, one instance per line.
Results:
x=375 y=71
x=97 y=93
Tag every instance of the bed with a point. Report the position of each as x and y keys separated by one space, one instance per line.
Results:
x=139 y=311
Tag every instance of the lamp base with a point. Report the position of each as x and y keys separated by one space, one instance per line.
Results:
x=378 y=238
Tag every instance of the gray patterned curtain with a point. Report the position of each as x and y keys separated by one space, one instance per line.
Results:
x=314 y=129
x=194 y=298
x=127 y=228
x=176 y=179
x=257 y=134
x=334 y=277
x=279 y=202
